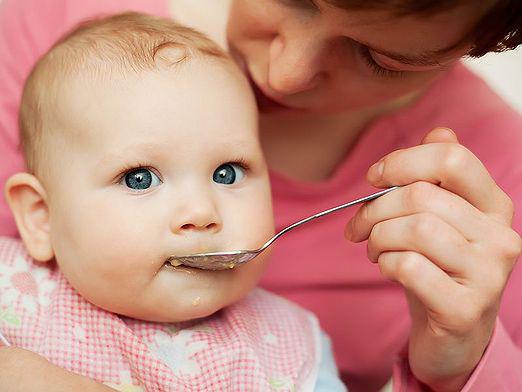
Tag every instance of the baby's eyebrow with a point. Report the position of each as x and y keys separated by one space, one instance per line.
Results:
x=124 y=153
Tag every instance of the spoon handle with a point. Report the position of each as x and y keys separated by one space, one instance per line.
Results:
x=326 y=212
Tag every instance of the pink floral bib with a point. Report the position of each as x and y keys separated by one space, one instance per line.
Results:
x=262 y=343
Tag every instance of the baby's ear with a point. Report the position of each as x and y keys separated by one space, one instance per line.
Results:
x=27 y=199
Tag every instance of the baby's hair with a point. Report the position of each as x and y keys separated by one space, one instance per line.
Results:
x=128 y=42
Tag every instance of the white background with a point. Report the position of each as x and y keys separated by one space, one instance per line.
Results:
x=503 y=71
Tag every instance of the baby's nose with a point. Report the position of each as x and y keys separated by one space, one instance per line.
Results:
x=192 y=226
x=197 y=217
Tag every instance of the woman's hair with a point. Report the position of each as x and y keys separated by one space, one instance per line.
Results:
x=498 y=30
x=96 y=49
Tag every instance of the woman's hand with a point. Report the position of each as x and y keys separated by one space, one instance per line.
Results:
x=22 y=370
x=446 y=237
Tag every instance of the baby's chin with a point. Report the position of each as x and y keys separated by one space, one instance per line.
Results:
x=183 y=293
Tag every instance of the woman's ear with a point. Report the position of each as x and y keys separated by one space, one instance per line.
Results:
x=27 y=199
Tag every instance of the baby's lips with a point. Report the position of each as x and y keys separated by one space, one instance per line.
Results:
x=173 y=261
x=171 y=258
x=195 y=249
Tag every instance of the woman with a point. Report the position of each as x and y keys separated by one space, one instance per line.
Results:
x=341 y=84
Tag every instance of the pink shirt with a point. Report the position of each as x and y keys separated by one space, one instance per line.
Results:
x=366 y=316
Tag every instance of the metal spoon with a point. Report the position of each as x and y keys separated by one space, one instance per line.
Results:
x=226 y=260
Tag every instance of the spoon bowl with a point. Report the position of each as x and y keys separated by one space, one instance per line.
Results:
x=215 y=260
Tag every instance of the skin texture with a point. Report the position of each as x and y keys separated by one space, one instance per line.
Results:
x=303 y=55
x=100 y=231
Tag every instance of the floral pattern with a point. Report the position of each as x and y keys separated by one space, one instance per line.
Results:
x=19 y=283
x=178 y=351
x=282 y=383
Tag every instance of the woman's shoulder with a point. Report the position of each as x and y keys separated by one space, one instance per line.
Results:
x=488 y=125
x=462 y=100
x=484 y=122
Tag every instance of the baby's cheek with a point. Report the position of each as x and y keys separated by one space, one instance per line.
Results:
x=120 y=241
x=261 y=216
x=111 y=278
x=98 y=258
x=249 y=229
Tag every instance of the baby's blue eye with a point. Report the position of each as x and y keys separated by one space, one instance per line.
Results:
x=228 y=173
x=139 y=179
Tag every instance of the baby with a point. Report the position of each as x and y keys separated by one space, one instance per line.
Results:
x=140 y=138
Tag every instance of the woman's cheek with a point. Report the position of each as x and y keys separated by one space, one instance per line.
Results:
x=379 y=90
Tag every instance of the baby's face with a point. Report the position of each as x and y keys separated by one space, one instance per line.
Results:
x=160 y=163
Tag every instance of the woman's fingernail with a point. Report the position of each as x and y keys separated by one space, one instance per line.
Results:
x=377 y=170
x=443 y=129
x=448 y=131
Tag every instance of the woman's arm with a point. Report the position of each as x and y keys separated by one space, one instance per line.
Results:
x=22 y=370
x=500 y=368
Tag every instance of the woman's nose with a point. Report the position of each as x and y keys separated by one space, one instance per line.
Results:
x=295 y=65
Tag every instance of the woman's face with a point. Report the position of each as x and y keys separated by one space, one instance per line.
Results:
x=310 y=56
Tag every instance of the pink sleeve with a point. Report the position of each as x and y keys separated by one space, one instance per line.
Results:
x=27 y=29
x=500 y=368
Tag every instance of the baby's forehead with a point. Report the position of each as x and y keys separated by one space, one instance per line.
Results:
x=199 y=87
x=200 y=101
x=62 y=92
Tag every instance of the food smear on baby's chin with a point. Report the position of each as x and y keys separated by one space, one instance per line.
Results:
x=196 y=301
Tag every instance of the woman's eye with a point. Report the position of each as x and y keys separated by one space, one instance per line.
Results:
x=364 y=52
x=228 y=173
x=140 y=179
x=307 y=4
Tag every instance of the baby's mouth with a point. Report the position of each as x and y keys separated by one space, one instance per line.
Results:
x=172 y=264
x=173 y=261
